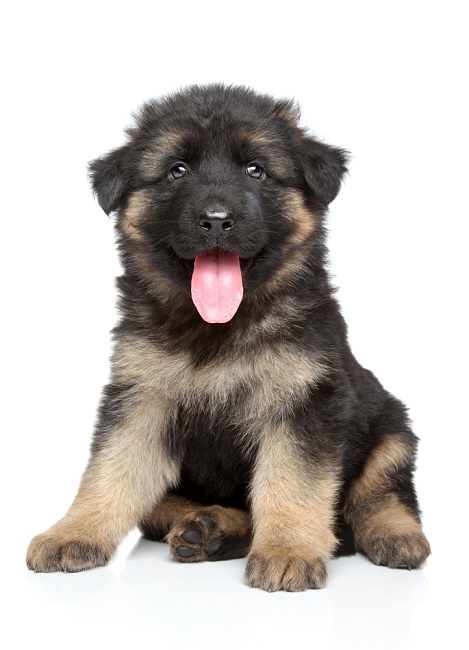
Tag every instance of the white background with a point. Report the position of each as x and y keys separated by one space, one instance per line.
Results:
x=386 y=80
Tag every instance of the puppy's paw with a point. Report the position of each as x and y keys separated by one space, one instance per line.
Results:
x=401 y=551
x=277 y=572
x=197 y=537
x=51 y=552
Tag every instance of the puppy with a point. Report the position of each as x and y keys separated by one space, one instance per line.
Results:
x=236 y=420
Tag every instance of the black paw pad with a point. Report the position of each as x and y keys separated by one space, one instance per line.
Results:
x=207 y=523
x=192 y=536
x=185 y=551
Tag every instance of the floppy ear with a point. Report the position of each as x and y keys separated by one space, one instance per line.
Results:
x=324 y=168
x=111 y=178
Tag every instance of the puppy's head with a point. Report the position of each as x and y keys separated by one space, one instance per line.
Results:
x=217 y=188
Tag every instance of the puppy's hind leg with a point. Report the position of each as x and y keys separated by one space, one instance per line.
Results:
x=196 y=532
x=381 y=504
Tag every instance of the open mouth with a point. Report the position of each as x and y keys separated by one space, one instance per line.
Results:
x=217 y=284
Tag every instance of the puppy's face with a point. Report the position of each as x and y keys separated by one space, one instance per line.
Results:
x=213 y=188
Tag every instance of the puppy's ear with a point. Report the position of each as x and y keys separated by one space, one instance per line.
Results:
x=324 y=168
x=111 y=178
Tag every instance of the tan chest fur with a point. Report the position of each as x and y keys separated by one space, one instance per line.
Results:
x=262 y=382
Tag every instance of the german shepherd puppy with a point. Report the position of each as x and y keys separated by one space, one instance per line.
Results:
x=236 y=421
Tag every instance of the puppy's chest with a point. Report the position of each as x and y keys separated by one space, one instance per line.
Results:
x=216 y=453
x=257 y=379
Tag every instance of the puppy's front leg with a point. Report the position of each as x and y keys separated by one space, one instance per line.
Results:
x=128 y=473
x=292 y=500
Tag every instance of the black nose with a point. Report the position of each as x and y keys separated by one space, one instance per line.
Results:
x=216 y=221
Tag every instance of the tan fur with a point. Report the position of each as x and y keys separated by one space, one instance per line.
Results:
x=295 y=252
x=220 y=532
x=271 y=379
x=303 y=219
x=227 y=522
x=384 y=527
x=121 y=484
x=254 y=138
x=390 y=515
x=130 y=221
x=158 y=282
x=153 y=161
x=166 y=513
x=290 y=113
x=131 y=217
x=174 y=510
x=232 y=521
x=265 y=141
x=293 y=504
x=376 y=478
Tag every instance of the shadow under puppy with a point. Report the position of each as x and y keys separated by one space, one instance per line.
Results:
x=236 y=421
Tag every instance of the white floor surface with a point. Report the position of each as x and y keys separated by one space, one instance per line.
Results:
x=145 y=598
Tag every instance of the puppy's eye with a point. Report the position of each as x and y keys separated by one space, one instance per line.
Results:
x=177 y=171
x=255 y=170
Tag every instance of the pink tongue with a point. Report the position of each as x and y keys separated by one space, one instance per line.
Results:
x=217 y=285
